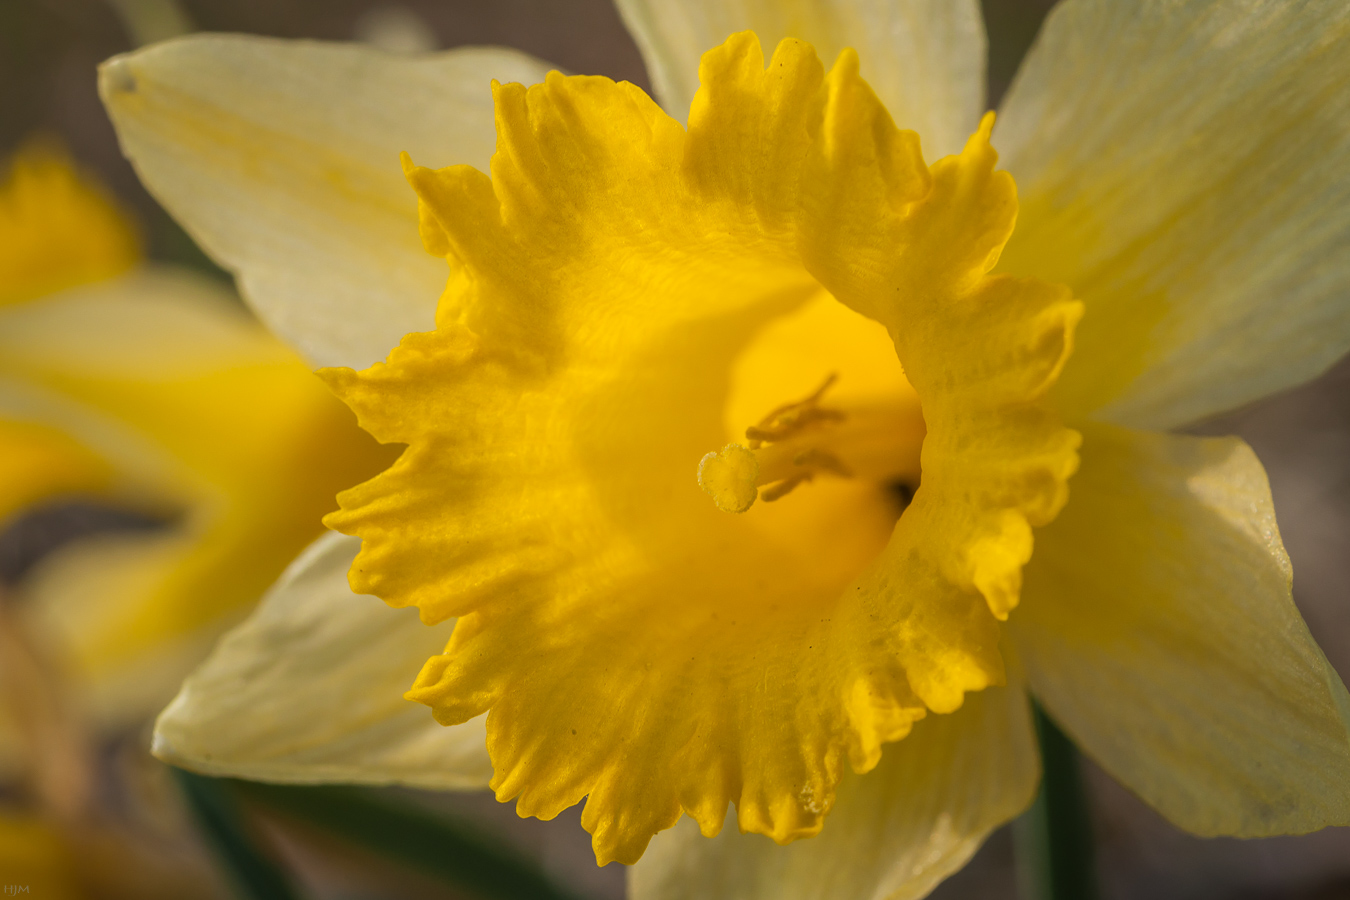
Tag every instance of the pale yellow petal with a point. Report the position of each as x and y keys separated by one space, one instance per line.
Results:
x=310 y=689
x=893 y=833
x=924 y=58
x=1157 y=627
x=95 y=330
x=281 y=159
x=1185 y=168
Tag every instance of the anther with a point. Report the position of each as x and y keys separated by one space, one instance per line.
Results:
x=811 y=461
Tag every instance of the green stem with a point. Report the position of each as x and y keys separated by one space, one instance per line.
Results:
x=1054 y=842
x=216 y=811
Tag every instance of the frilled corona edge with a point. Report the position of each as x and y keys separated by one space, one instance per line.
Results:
x=634 y=644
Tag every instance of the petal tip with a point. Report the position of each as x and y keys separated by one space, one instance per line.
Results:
x=115 y=76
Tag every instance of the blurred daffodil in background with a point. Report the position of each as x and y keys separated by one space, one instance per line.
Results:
x=727 y=442
x=147 y=389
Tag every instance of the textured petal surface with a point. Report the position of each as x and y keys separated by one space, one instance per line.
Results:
x=924 y=58
x=199 y=416
x=310 y=689
x=635 y=644
x=1185 y=168
x=893 y=834
x=281 y=159
x=1158 y=628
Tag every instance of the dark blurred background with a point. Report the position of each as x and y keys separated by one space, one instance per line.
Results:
x=48 y=53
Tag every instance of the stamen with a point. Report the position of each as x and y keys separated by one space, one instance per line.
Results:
x=792 y=418
x=736 y=475
x=822 y=459
x=772 y=492
x=812 y=461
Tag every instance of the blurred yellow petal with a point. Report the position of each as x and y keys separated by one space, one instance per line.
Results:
x=634 y=643
x=1157 y=627
x=57 y=228
x=893 y=834
x=43 y=858
x=309 y=689
x=35 y=860
x=42 y=462
x=924 y=58
x=90 y=587
x=203 y=414
x=281 y=159
x=1182 y=168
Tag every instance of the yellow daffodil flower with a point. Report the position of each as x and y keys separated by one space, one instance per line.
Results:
x=150 y=389
x=728 y=444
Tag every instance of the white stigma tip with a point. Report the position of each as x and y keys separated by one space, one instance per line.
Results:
x=729 y=476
